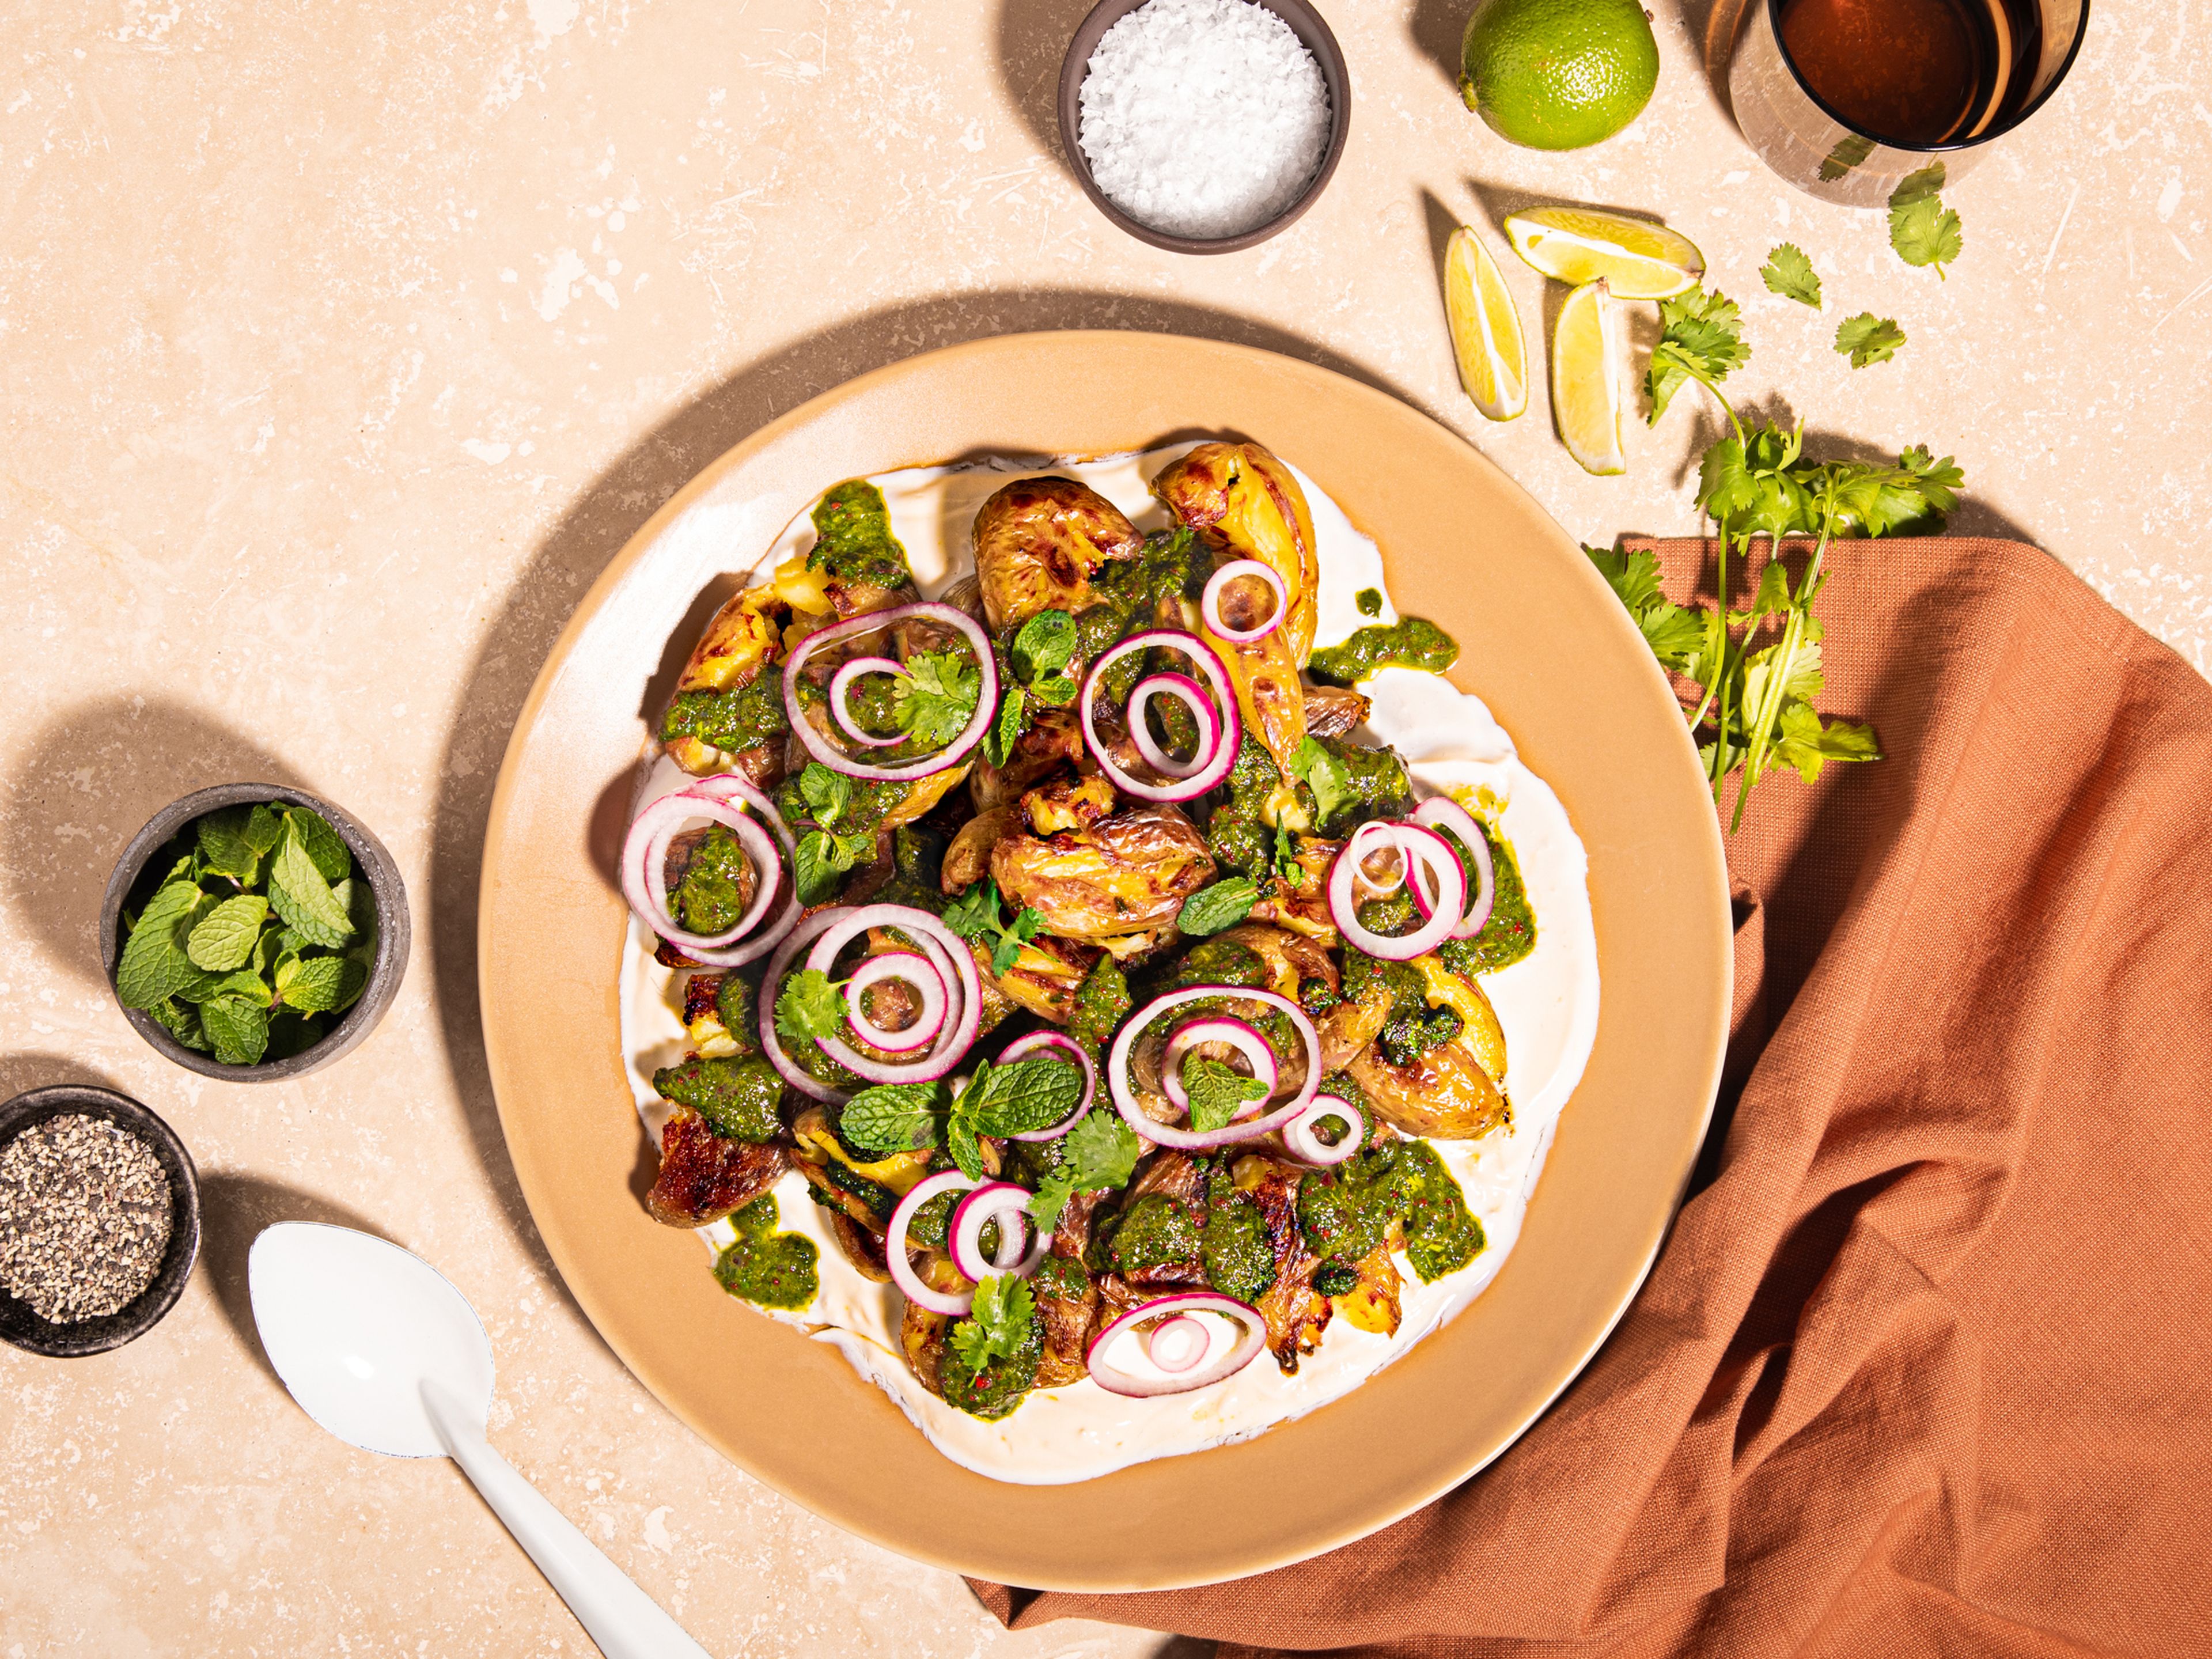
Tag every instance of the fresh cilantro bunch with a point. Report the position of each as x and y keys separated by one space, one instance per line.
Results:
x=1098 y=1155
x=257 y=932
x=1759 y=668
x=999 y=1322
x=999 y=1101
x=1037 y=660
x=975 y=915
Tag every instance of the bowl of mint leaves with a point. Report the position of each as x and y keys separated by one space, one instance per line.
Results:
x=253 y=932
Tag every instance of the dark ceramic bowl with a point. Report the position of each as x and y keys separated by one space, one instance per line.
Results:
x=392 y=931
x=24 y=1328
x=1305 y=22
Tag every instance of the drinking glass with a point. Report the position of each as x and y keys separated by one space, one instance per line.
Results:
x=1843 y=98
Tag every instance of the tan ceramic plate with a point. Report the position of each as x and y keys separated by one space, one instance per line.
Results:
x=1544 y=643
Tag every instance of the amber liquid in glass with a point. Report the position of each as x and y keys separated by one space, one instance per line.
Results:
x=1917 y=72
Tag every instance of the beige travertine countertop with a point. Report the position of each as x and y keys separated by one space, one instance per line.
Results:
x=343 y=344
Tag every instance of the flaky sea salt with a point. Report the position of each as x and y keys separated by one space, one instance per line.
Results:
x=1203 y=117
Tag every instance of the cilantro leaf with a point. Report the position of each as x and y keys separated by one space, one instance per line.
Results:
x=1325 y=774
x=809 y=1007
x=1218 y=1092
x=1021 y=1098
x=1866 y=338
x=937 y=698
x=1673 y=633
x=1921 y=228
x=1807 y=742
x=1222 y=905
x=999 y=1322
x=1701 y=339
x=893 y=1117
x=1098 y=1155
x=974 y=914
x=1790 y=274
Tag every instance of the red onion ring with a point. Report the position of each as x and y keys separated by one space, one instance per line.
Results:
x=1419 y=846
x=1177 y=1342
x=1228 y=733
x=1202 y=1370
x=1024 y=1048
x=728 y=786
x=1125 y=1096
x=1364 y=842
x=1304 y=1144
x=956 y=969
x=840 y=687
x=1442 y=812
x=1421 y=863
x=1209 y=602
x=1244 y=1038
x=1006 y=1204
x=902 y=1273
x=1192 y=695
x=909 y=967
x=789 y=1069
x=987 y=696
x=644 y=882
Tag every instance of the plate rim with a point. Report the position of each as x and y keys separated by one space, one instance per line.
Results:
x=1709 y=855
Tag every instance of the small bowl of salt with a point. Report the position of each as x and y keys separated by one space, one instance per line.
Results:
x=1204 y=126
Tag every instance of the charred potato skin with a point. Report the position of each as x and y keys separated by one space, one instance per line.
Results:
x=1128 y=873
x=1245 y=502
x=1039 y=540
x=1441 y=1093
x=704 y=1177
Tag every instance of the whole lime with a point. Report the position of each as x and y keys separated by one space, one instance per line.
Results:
x=1558 y=74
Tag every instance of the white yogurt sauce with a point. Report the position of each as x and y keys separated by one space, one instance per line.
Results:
x=1547 y=1003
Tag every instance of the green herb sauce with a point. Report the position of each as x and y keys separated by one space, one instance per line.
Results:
x=737 y=1097
x=1442 y=1234
x=774 y=1270
x=1238 y=1255
x=1060 y=1276
x=1370 y=601
x=853 y=538
x=736 y=1002
x=1510 y=933
x=711 y=897
x=1000 y=1386
x=1155 y=1232
x=1101 y=1003
x=1409 y=643
x=744 y=717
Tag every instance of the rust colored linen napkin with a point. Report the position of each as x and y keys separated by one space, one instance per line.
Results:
x=1926 y=1364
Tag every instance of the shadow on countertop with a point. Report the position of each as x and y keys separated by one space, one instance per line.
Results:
x=234 y=1207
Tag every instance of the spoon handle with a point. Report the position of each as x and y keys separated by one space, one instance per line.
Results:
x=625 y=1622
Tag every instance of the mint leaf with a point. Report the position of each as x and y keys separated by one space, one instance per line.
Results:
x=1216 y=1092
x=1021 y=1098
x=1044 y=645
x=225 y=937
x=263 y=829
x=182 y=1022
x=893 y=1117
x=960 y=1142
x=244 y=984
x=312 y=985
x=224 y=849
x=1323 y=773
x=352 y=982
x=1790 y=274
x=238 y=1030
x=1866 y=338
x=1005 y=729
x=808 y=1007
x=1224 y=904
x=821 y=858
x=299 y=893
x=937 y=698
x=999 y=1322
x=153 y=966
x=827 y=794
x=292 y=1034
x=324 y=844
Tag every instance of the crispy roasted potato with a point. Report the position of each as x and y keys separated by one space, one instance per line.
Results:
x=1127 y=873
x=703 y=1176
x=1067 y=804
x=1291 y=958
x=1038 y=542
x=1272 y=702
x=1053 y=739
x=741 y=643
x=1442 y=1092
x=1479 y=1030
x=967 y=860
x=1303 y=906
x=1246 y=504
x=1334 y=710
x=702 y=1019
x=1296 y=1315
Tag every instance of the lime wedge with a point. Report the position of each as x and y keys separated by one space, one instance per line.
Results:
x=1585 y=391
x=1637 y=259
x=1486 y=329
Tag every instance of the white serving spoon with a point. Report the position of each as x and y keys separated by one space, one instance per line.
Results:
x=380 y=1348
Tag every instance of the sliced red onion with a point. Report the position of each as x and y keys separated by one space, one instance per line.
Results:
x=1008 y=1205
x=644 y=863
x=1111 y=1355
x=1442 y=812
x=1025 y=1048
x=1244 y=1038
x=840 y=687
x=1365 y=841
x=1298 y=1133
x=1226 y=732
x=732 y=786
x=987 y=696
x=1124 y=1094
x=955 y=965
x=1424 y=852
x=908 y=967
x=1192 y=695
x=1420 y=847
x=1209 y=602
x=789 y=1069
x=902 y=1272
x=1177 y=1342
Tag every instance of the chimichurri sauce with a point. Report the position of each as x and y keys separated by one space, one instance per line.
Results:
x=774 y=1270
x=1409 y=643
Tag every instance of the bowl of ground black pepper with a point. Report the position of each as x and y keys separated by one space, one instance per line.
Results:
x=99 y=1220
x=254 y=932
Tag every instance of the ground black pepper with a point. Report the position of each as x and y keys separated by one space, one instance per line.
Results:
x=85 y=1211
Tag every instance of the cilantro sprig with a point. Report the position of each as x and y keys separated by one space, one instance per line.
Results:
x=1790 y=274
x=1098 y=1155
x=975 y=915
x=1759 y=668
x=1866 y=338
x=999 y=1322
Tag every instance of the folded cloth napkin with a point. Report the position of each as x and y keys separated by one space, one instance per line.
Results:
x=1926 y=1364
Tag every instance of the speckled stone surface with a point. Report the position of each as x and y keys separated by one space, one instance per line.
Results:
x=345 y=345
